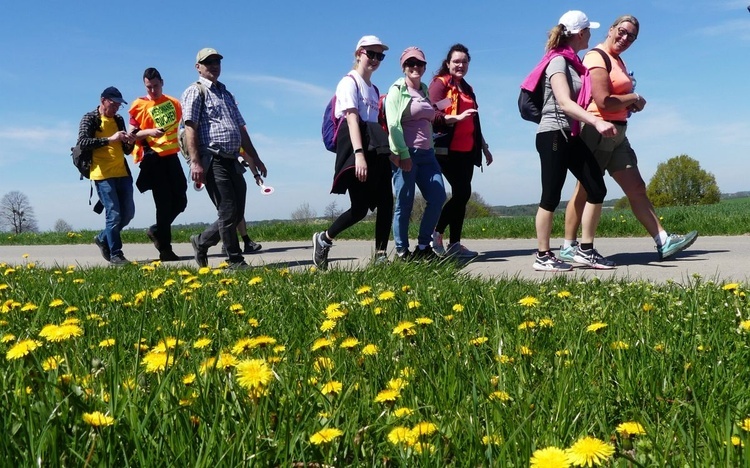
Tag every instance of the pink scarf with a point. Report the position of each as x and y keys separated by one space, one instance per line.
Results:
x=584 y=95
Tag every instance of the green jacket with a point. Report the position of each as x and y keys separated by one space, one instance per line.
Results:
x=396 y=102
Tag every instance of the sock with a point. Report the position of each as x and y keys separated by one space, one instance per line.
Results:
x=539 y=253
x=324 y=237
x=246 y=238
x=587 y=246
x=567 y=243
x=661 y=238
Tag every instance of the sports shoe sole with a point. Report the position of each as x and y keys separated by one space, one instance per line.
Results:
x=596 y=266
x=539 y=267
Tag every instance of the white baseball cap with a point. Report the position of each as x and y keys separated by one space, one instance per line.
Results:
x=576 y=21
x=370 y=41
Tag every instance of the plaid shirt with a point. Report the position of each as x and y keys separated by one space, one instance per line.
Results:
x=219 y=120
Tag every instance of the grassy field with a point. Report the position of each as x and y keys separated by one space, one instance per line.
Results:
x=395 y=365
x=730 y=217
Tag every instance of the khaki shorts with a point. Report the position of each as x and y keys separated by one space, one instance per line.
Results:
x=613 y=154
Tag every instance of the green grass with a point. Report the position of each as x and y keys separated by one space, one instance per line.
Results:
x=730 y=217
x=684 y=375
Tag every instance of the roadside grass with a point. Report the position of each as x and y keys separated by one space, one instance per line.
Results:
x=728 y=218
x=395 y=365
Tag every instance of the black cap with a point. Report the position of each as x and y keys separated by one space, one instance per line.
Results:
x=113 y=94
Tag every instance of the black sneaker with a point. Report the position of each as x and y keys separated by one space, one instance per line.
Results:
x=424 y=255
x=118 y=260
x=241 y=265
x=320 y=251
x=168 y=256
x=404 y=255
x=201 y=254
x=151 y=234
x=251 y=247
x=103 y=247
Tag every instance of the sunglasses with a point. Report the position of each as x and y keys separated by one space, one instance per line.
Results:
x=414 y=63
x=372 y=55
x=624 y=32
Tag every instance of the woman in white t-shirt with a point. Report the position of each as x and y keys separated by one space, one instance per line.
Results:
x=560 y=147
x=362 y=155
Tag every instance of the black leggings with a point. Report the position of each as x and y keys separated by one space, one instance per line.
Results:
x=559 y=155
x=458 y=170
x=362 y=197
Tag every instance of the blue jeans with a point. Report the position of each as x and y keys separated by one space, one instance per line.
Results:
x=425 y=174
x=116 y=194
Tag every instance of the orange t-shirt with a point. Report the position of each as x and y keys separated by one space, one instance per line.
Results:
x=165 y=113
x=619 y=82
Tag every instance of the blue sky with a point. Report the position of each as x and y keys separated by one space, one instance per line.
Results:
x=282 y=61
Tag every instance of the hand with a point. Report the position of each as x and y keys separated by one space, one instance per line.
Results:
x=196 y=172
x=467 y=113
x=487 y=155
x=395 y=160
x=406 y=165
x=258 y=180
x=261 y=167
x=156 y=132
x=638 y=105
x=607 y=129
x=360 y=167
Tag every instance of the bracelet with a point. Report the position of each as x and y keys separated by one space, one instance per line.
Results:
x=637 y=97
x=359 y=150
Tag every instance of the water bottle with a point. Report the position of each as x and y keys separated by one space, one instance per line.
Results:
x=632 y=80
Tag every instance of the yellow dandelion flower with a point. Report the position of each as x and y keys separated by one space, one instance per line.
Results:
x=406 y=372
x=424 y=428
x=457 y=308
x=500 y=396
x=349 y=343
x=253 y=373
x=405 y=329
x=562 y=353
x=529 y=301
x=363 y=290
x=366 y=301
x=115 y=297
x=492 y=439
x=262 y=341
x=424 y=321
x=4 y=286
x=108 y=343
x=406 y=288
x=736 y=442
x=8 y=338
x=236 y=307
x=596 y=326
x=322 y=343
x=424 y=447
x=255 y=280
x=731 y=287
x=388 y=395
x=386 y=295
x=619 y=345
x=590 y=451
x=323 y=363
x=370 y=350
x=564 y=294
x=413 y=304
x=448 y=318
x=377 y=310
x=29 y=307
x=745 y=325
x=402 y=412
x=648 y=307
x=189 y=379
x=745 y=425
x=98 y=419
x=401 y=436
x=325 y=436
x=334 y=313
x=57 y=333
x=332 y=388
x=169 y=283
x=201 y=343
x=659 y=347
x=148 y=268
x=155 y=361
x=527 y=325
x=253 y=322
x=225 y=361
x=546 y=323
x=525 y=351
x=549 y=457
x=56 y=303
x=397 y=384
x=168 y=343
x=505 y=359
x=327 y=325
x=630 y=428
x=279 y=349
x=204 y=270
x=71 y=309
x=9 y=271
x=52 y=363
x=478 y=341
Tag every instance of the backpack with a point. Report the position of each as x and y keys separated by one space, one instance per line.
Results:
x=181 y=138
x=331 y=124
x=82 y=160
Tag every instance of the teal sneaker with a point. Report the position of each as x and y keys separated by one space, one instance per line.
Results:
x=566 y=254
x=676 y=243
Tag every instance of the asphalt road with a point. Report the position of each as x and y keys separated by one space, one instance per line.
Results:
x=713 y=258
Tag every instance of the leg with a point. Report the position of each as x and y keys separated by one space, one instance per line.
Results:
x=632 y=184
x=552 y=148
x=460 y=198
x=429 y=179
x=574 y=212
x=384 y=208
x=404 y=186
x=108 y=194
x=583 y=165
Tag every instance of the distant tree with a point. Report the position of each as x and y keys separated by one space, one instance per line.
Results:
x=332 y=211
x=304 y=213
x=681 y=181
x=62 y=226
x=622 y=204
x=16 y=213
x=477 y=207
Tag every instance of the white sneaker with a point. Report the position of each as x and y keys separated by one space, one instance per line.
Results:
x=437 y=243
x=459 y=251
x=592 y=259
x=549 y=262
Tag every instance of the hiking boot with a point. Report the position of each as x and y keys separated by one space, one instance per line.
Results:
x=320 y=251
x=241 y=265
x=118 y=260
x=566 y=253
x=548 y=262
x=251 y=247
x=103 y=247
x=459 y=251
x=151 y=234
x=592 y=259
x=676 y=243
x=424 y=255
x=168 y=256
x=201 y=254
x=437 y=243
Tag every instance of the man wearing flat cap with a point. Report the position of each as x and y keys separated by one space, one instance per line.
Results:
x=214 y=134
x=102 y=131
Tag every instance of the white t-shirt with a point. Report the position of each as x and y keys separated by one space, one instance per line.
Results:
x=355 y=94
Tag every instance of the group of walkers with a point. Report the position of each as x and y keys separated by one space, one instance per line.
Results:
x=434 y=131
x=412 y=137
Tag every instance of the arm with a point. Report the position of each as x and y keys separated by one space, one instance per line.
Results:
x=251 y=157
x=561 y=90
x=393 y=119
x=360 y=164
x=605 y=101
x=191 y=138
x=86 y=131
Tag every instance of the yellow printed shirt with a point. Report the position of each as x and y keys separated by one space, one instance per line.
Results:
x=108 y=161
x=164 y=113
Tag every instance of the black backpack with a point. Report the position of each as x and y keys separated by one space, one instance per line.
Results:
x=82 y=160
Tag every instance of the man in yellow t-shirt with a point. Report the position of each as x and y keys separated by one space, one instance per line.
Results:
x=102 y=131
x=156 y=118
